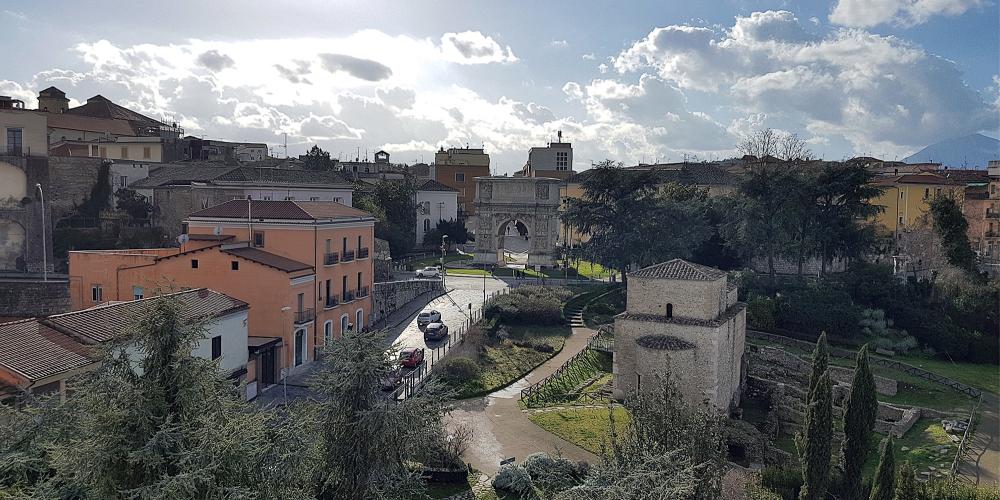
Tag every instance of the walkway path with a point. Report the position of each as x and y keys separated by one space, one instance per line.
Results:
x=501 y=429
x=982 y=458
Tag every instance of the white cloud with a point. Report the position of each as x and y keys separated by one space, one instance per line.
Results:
x=473 y=47
x=559 y=43
x=589 y=56
x=867 y=88
x=867 y=13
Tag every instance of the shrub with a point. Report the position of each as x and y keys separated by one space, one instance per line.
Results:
x=601 y=308
x=819 y=307
x=515 y=479
x=543 y=347
x=783 y=481
x=554 y=474
x=762 y=312
x=529 y=304
x=459 y=370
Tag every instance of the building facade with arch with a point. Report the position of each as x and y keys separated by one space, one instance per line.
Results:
x=532 y=201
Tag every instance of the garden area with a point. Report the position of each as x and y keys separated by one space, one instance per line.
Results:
x=520 y=330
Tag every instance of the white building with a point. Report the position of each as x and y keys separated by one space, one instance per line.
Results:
x=435 y=202
x=554 y=160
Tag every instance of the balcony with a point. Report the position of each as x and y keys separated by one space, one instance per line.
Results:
x=992 y=213
x=349 y=296
x=348 y=256
x=362 y=292
x=362 y=253
x=331 y=301
x=331 y=258
x=304 y=316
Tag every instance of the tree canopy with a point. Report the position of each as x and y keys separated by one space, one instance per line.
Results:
x=317 y=159
x=393 y=203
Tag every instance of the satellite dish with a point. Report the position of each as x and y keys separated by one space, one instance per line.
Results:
x=217 y=231
x=182 y=239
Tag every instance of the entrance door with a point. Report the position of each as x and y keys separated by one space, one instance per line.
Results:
x=300 y=346
x=267 y=367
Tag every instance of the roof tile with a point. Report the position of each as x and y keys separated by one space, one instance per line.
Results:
x=679 y=269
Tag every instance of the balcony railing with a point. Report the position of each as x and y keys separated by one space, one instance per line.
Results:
x=331 y=258
x=992 y=214
x=362 y=292
x=348 y=255
x=349 y=296
x=304 y=316
x=363 y=253
x=331 y=301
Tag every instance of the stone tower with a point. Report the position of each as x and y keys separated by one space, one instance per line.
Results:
x=53 y=100
x=682 y=319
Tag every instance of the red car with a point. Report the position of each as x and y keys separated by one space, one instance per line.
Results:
x=411 y=357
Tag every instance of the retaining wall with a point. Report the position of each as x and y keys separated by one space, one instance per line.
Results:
x=389 y=296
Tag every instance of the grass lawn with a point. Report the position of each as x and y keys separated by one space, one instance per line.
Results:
x=981 y=376
x=919 y=443
x=585 y=427
x=433 y=261
x=584 y=373
x=502 y=364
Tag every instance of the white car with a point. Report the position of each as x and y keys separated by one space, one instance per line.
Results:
x=429 y=272
x=427 y=317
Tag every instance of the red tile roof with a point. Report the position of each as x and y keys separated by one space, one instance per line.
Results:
x=268 y=259
x=104 y=322
x=679 y=269
x=35 y=351
x=287 y=210
x=88 y=123
x=100 y=107
x=925 y=178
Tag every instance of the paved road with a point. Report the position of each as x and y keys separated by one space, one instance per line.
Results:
x=502 y=430
x=981 y=462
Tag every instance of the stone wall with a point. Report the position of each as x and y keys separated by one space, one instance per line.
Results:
x=71 y=179
x=25 y=236
x=22 y=298
x=774 y=362
x=811 y=267
x=689 y=298
x=389 y=296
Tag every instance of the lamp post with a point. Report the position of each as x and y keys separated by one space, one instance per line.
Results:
x=444 y=248
x=45 y=252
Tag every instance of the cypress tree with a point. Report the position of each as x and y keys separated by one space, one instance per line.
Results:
x=906 y=487
x=815 y=446
x=885 y=476
x=859 y=419
x=820 y=361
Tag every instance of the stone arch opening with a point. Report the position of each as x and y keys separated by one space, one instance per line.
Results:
x=12 y=246
x=510 y=209
x=13 y=183
x=513 y=241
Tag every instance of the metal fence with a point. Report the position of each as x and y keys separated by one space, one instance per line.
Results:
x=413 y=381
x=964 y=443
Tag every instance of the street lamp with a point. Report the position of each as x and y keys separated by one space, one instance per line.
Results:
x=45 y=252
x=444 y=248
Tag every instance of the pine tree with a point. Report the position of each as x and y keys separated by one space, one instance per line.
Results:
x=859 y=419
x=885 y=476
x=906 y=484
x=820 y=361
x=815 y=446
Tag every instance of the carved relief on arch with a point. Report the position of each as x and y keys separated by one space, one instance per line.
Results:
x=541 y=191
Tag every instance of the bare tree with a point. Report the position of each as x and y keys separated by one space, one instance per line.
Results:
x=769 y=142
x=792 y=148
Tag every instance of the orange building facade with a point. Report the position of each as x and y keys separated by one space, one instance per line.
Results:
x=305 y=268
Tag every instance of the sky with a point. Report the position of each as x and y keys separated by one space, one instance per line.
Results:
x=628 y=81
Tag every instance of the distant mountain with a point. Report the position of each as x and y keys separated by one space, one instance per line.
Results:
x=970 y=151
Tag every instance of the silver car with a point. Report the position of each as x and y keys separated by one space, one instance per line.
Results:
x=428 y=272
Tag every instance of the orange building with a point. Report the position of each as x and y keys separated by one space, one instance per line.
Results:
x=458 y=168
x=305 y=268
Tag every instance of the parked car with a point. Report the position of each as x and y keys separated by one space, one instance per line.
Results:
x=392 y=378
x=436 y=331
x=427 y=317
x=411 y=357
x=429 y=272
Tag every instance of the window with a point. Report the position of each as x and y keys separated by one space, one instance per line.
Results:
x=329 y=245
x=267 y=198
x=123 y=181
x=314 y=198
x=670 y=310
x=147 y=153
x=15 y=140
x=300 y=347
x=96 y=293
x=124 y=153
x=234 y=265
x=359 y=280
x=343 y=285
x=137 y=292
x=258 y=239
x=338 y=199
x=345 y=245
x=327 y=332
x=217 y=347
x=344 y=324
x=900 y=219
x=427 y=225
x=359 y=244
x=194 y=263
x=901 y=194
x=328 y=290
x=301 y=301
x=459 y=176
x=562 y=160
x=289 y=198
x=359 y=320
x=94 y=151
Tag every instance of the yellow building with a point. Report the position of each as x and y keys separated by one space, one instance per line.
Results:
x=907 y=198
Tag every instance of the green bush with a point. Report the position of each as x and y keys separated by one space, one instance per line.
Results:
x=819 y=307
x=554 y=474
x=602 y=308
x=529 y=304
x=460 y=369
x=783 y=481
x=762 y=312
x=957 y=490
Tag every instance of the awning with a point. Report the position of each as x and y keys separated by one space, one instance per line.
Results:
x=257 y=344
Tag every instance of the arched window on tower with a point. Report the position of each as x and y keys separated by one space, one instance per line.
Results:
x=670 y=310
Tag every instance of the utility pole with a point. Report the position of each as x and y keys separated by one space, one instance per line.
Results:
x=444 y=248
x=45 y=252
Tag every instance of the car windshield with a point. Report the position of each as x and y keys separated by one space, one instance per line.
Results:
x=425 y=315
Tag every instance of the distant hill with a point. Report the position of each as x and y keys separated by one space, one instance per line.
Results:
x=970 y=151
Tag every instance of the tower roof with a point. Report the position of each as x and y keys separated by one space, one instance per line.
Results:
x=679 y=269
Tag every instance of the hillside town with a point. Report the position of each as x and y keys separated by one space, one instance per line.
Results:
x=189 y=315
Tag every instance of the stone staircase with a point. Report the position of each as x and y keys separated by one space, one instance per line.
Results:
x=575 y=317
